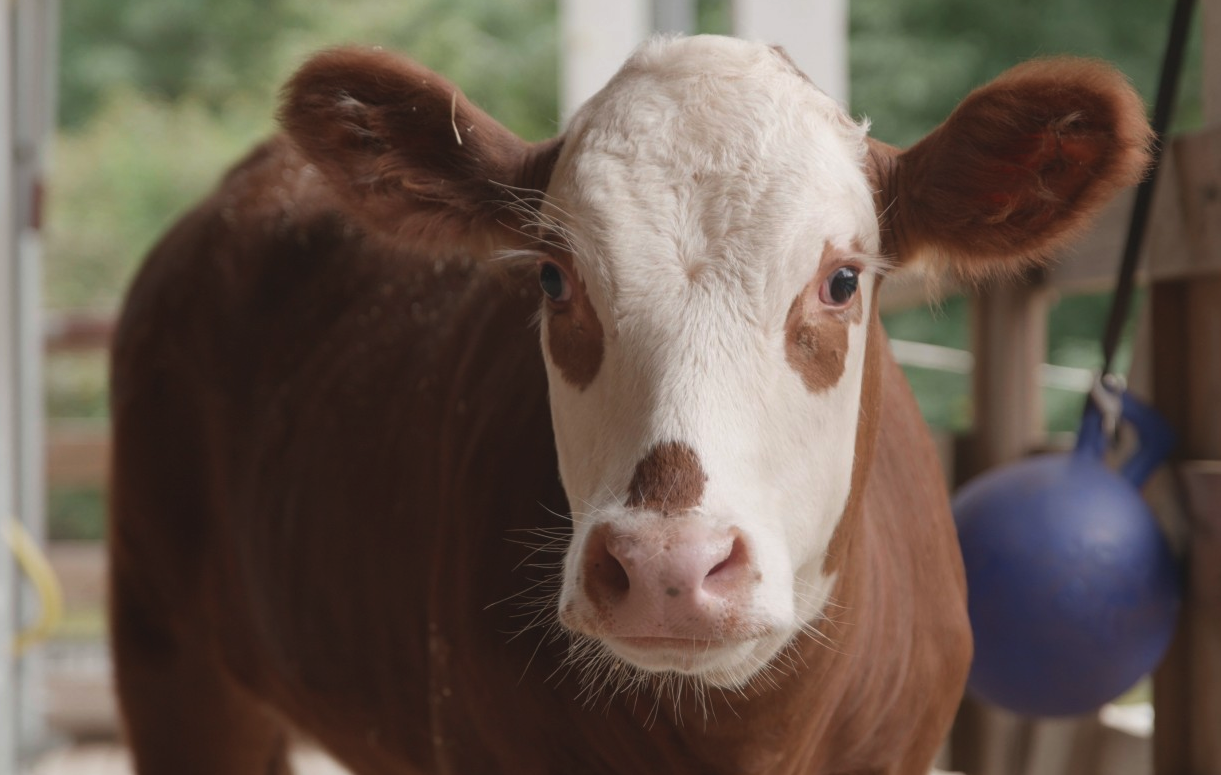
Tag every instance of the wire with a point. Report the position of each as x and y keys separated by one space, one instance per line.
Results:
x=1167 y=90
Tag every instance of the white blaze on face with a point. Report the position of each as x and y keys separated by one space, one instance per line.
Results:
x=708 y=195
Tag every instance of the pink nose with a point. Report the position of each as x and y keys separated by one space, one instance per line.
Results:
x=671 y=579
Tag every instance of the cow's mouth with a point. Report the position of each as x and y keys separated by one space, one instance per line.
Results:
x=703 y=657
x=679 y=644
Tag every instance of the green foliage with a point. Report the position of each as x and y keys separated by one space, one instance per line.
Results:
x=76 y=514
x=160 y=97
x=167 y=49
x=913 y=60
x=75 y=385
x=502 y=55
x=713 y=17
x=944 y=397
x=1074 y=326
x=120 y=179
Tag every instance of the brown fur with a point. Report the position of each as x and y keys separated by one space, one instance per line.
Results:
x=328 y=420
x=574 y=333
x=868 y=418
x=669 y=479
x=816 y=339
x=384 y=131
x=1016 y=171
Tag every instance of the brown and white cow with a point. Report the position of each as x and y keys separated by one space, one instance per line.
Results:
x=334 y=425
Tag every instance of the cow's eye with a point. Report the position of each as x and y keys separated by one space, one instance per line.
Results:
x=554 y=282
x=841 y=286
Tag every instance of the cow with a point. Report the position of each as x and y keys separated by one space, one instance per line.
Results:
x=700 y=529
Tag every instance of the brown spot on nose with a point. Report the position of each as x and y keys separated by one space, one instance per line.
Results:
x=815 y=337
x=669 y=479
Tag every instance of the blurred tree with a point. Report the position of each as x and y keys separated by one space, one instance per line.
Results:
x=503 y=54
x=158 y=98
x=912 y=60
x=164 y=48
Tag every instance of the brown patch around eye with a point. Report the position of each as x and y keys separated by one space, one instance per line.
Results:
x=574 y=333
x=669 y=479
x=816 y=338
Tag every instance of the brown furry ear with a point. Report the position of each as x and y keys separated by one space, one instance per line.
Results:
x=1018 y=169
x=409 y=154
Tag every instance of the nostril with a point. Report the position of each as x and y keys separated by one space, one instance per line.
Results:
x=731 y=567
x=605 y=577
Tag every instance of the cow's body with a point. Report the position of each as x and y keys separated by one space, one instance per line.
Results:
x=331 y=447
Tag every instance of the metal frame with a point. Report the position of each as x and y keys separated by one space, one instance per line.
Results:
x=9 y=702
x=35 y=44
x=28 y=32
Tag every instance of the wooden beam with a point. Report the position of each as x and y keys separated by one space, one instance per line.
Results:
x=1197 y=170
x=1184 y=225
x=1010 y=343
x=1210 y=23
x=78 y=454
x=1181 y=241
x=1187 y=381
x=1009 y=326
x=78 y=332
x=1091 y=263
x=1186 y=351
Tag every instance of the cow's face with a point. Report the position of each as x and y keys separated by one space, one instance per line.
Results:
x=711 y=252
x=710 y=248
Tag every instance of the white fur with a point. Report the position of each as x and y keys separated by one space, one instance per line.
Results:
x=699 y=189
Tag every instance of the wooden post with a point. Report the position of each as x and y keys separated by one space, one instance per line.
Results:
x=1187 y=386
x=1009 y=328
x=1186 y=318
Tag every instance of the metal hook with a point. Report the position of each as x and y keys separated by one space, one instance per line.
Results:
x=1107 y=395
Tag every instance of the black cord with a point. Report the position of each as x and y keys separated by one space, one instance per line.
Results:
x=1168 y=87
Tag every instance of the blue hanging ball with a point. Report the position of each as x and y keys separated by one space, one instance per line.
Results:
x=1073 y=591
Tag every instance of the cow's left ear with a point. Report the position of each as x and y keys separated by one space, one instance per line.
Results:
x=410 y=156
x=1018 y=169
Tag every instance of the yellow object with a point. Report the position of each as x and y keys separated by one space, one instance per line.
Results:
x=34 y=564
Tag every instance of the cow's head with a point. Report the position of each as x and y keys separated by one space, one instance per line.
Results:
x=712 y=236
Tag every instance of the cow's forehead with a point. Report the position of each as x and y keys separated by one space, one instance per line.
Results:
x=709 y=159
x=737 y=97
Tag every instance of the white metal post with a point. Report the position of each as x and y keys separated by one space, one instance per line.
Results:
x=36 y=38
x=814 y=32
x=8 y=696
x=596 y=36
x=674 y=16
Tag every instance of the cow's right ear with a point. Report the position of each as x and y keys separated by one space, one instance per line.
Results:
x=410 y=156
x=1019 y=168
